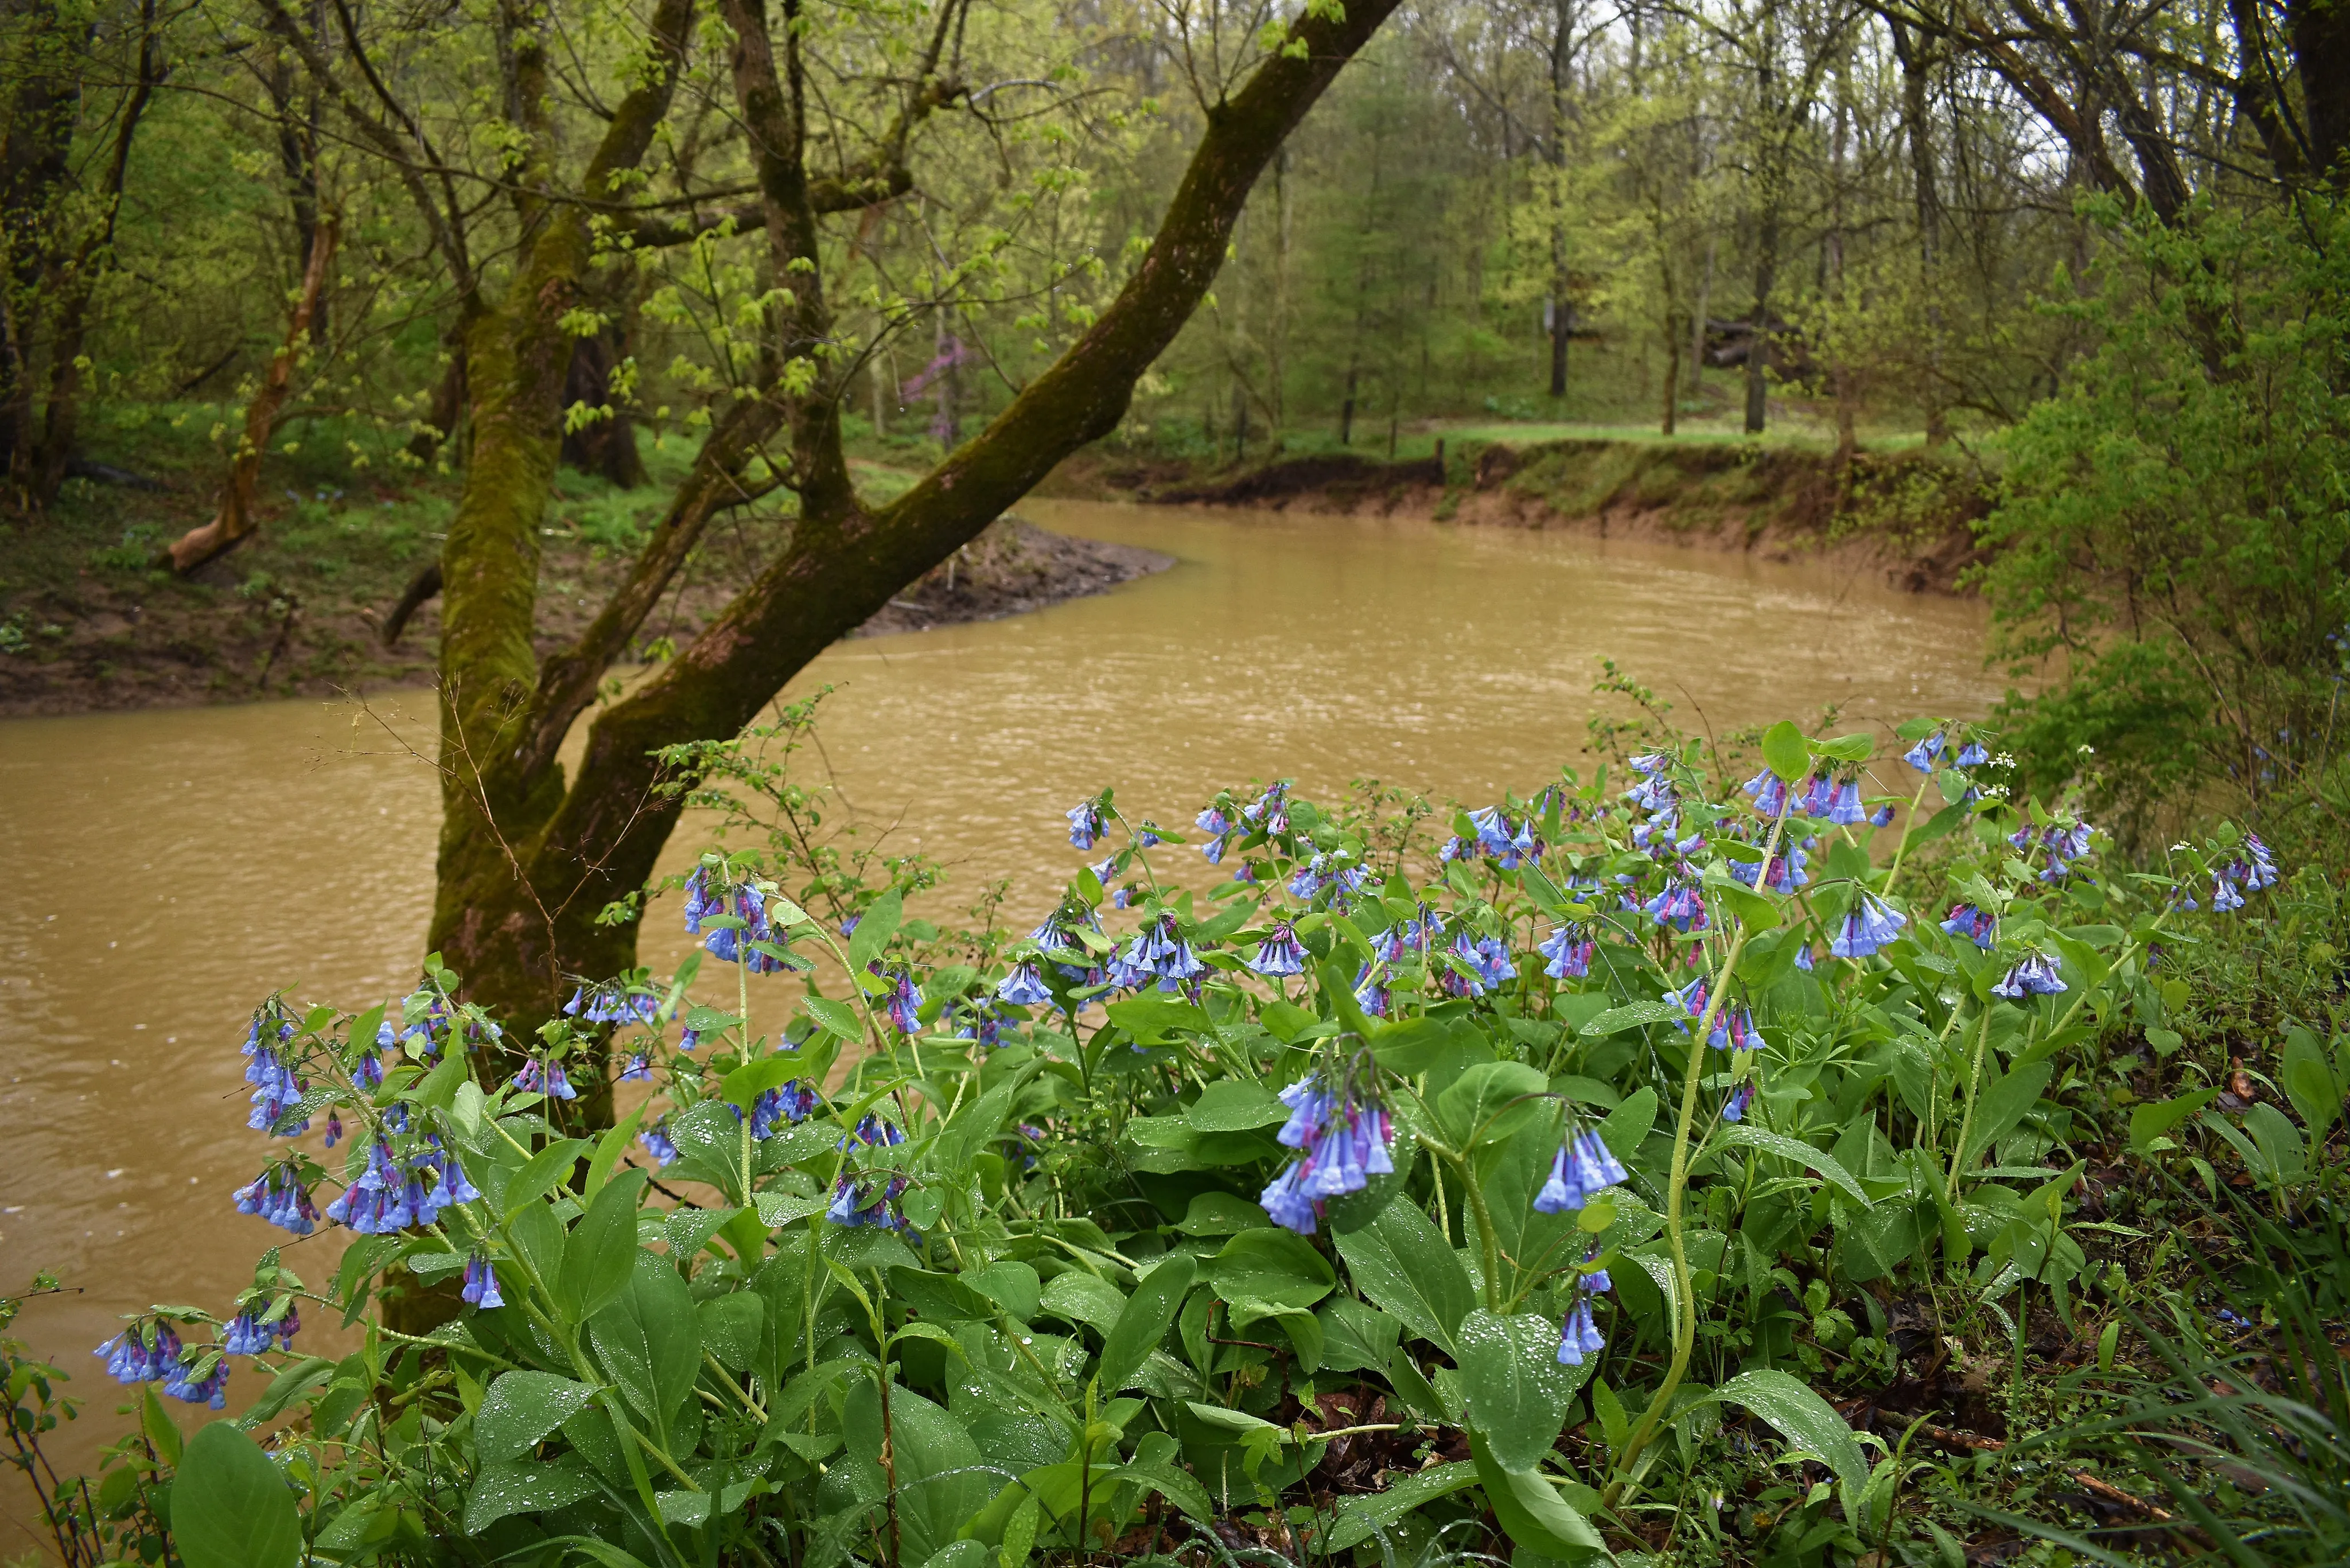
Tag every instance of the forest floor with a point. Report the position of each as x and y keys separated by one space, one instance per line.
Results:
x=87 y=622
x=1894 y=507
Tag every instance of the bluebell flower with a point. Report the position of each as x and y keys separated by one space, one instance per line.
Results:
x=2033 y=976
x=1087 y=824
x=247 y=1335
x=278 y=1087
x=1023 y=987
x=657 y=1143
x=203 y=1381
x=1975 y=925
x=1594 y=1279
x=1306 y=880
x=639 y=1070
x=278 y=1196
x=1922 y=755
x=2261 y=871
x=1369 y=995
x=905 y=1004
x=1970 y=755
x=872 y=1132
x=1269 y=813
x=1845 y=807
x=1770 y=792
x=1679 y=905
x=1213 y=851
x=1213 y=821
x=1882 y=817
x=143 y=1353
x=1582 y=1168
x=1819 y=795
x=334 y=1126
x=1803 y=957
x=1344 y=1137
x=544 y=1076
x=2225 y=898
x=1280 y=953
x=1455 y=848
x=613 y=1001
x=1871 y=924
x=1579 y=1337
x=367 y=1071
x=1246 y=873
x=481 y=1288
x=1569 y=950
x=1733 y=1109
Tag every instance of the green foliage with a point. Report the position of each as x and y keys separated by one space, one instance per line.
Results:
x=2172 y=527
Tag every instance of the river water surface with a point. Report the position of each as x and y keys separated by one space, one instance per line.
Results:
x=165 y=871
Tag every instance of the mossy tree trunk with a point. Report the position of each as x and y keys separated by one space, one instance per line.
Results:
x=528 y=858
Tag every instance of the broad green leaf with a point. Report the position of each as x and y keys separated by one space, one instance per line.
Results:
x=1490 y=1102
x=1356 y=1336
x=1404 y=1265
x=602 y=1250
x=1518 y=1393
x=1786 y=752
x=874 y=926
x=1802 y=1415
x=1629 y=1124
x=1152 y=1017
x=520 y=1409
x=1271 y=1266
x=2309 y=1083
x=230 y=1506
x=608 y=1150
x=1531 y=1510
x=732 y=1327
x=541 y=1172
x=2155 y=1119
x=1615 y=1019
x=1143 y=1322
x=1222 y=1214
x=2004 y=1105
x=531 y=1485
x=1079 y=1297
x=836 y=1016
x=648 y=1341
x=1235 y=1104
x=1363 y=1515
x=941 y=1483
x=1740 y=1136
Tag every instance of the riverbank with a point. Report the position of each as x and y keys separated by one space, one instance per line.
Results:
x=1905 y=517
x=86 y=625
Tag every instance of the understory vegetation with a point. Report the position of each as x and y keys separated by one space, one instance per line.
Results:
x=1857 y=1163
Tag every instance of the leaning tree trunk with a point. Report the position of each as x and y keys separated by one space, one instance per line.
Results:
x=527 y=859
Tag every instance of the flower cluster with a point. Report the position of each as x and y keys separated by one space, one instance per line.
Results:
x=787 y=1104
x=392 y=1194
x=252 y=1331
x=150 y=1353
x=1159 y=955
x=1344 y=1134
x=1870 y=924
x=737 y=913
x=2034 y=975
x=278 y=1196
x=2060 y=843
x=544 y=1075
x=613 y=1001
x=1582 y=1169
x=481 y=1286
x=1579 y=1335
x=278 y=1087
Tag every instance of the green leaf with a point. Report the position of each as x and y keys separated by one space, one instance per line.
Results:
x=601 y=1251
x=1222 y=1214
x=2155 y=1119
x=1629 y=1124
x=1079 y=1297
x=608 y=1150
x=731 y=1326
x=1144 y=1320
x=838 y=1017
x=1152 y=1017
x=1235 y=1104
x=520 y=1409
x=2003 y=1104
x=745 y=1083
x=524 y=1487
x=1404 y=1265
x=1739 y=1135
x=231 y=1506
x=2309 y=1083
x=1615 y=1019
x=1361 y=1516
x=1787 y=752
x=941 y=1483
x=1531 y=1510
x=1477 y=1108
x=541 y=1172
x=874 y=926
x=1856 y=748
x=1802 y=1415
x=1518 y=1392
x=1272 y=1266
x=648 y=1341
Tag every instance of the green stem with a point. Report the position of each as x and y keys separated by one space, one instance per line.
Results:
x=1677 y=1186
x=1967 y=1116
x=1908 y=826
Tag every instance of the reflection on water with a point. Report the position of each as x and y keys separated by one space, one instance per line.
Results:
x=168 y=869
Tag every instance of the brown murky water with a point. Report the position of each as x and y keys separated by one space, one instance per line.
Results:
x=164 y=870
